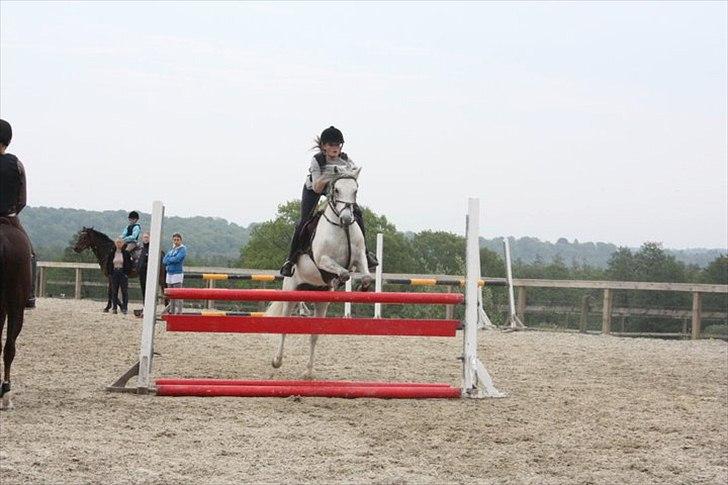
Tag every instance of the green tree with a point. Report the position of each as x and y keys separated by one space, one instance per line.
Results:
x=269 y=242
x=717 y=271
x=439 y=252
x=650 y=263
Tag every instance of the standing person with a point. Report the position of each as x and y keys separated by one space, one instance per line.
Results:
x=321 y=172
x=119 y=267
x=13 y=195
x=173 y=261
x=142 y=267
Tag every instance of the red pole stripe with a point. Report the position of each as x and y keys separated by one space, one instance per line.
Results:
x=313 y=296
x=237 y=382
x=311 y=325
x=386 y=392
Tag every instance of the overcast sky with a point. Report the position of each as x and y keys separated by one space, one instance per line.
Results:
x=598 y=121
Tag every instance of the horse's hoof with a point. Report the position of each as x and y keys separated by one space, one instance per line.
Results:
x=276 y=363
x=344 y=277
x=366 y=283
x=6 y=404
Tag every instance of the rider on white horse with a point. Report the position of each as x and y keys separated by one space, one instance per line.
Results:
x=324 y=165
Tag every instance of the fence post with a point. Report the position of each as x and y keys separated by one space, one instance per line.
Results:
x=607 y=312
x=521 y=304
x=79 y=283
x=449 y=309
x=584 y=316
x=210 y=303
x=42 y=278
x=697 y=308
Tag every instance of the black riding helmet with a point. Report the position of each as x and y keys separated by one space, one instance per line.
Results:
x=6 y=132
x=332 y=135
x=133 y=215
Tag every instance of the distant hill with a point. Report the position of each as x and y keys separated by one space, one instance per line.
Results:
x=209 y=239
x=531 y=249
x=213 y=240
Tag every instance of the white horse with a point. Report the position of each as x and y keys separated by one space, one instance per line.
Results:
x=337 y=250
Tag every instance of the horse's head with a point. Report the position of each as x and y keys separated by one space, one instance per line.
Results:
x=90 y=238
x=342 y=195
x=84 y=239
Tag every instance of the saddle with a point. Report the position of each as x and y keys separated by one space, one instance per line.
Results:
x=308 y=231
x=135 y=251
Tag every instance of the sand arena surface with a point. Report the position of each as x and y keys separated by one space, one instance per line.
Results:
x=581 y=409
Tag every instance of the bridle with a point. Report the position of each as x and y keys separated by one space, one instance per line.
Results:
x=332 y=202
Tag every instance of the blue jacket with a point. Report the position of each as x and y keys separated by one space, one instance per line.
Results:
x=132 y=233
x=174 y=258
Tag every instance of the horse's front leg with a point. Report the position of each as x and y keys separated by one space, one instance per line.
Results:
x=326 y=263
x=319 y=311
x=361 y=266
x=108 y=296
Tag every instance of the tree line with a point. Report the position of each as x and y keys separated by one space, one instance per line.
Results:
x=438 y=252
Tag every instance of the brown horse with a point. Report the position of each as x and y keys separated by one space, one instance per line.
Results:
x=15 y=281
x=101 y=245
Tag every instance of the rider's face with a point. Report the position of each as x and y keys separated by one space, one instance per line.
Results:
x=332 y=150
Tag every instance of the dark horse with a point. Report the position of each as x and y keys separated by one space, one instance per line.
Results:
x=101 y=245
x=15 y=281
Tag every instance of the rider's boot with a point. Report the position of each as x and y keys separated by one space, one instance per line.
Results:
x=287 y=269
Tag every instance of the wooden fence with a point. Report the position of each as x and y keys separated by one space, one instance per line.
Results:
x=608 y=288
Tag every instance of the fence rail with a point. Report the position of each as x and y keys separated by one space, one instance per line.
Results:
x=695 y=314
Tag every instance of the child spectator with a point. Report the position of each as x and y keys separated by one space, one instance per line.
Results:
x=173 y=261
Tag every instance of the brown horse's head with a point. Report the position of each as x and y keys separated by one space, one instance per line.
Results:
x=90 y=238
x=84 y=239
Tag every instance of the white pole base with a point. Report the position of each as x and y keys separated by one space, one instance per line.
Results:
x=483 y=383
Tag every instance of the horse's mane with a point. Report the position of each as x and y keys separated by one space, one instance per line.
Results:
x=96 y=234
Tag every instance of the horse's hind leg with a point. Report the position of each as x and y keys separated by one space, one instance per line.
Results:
x=282 y=309
x=319 y=311
x=15 y=324
x=286 y=307
x=278 y=357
